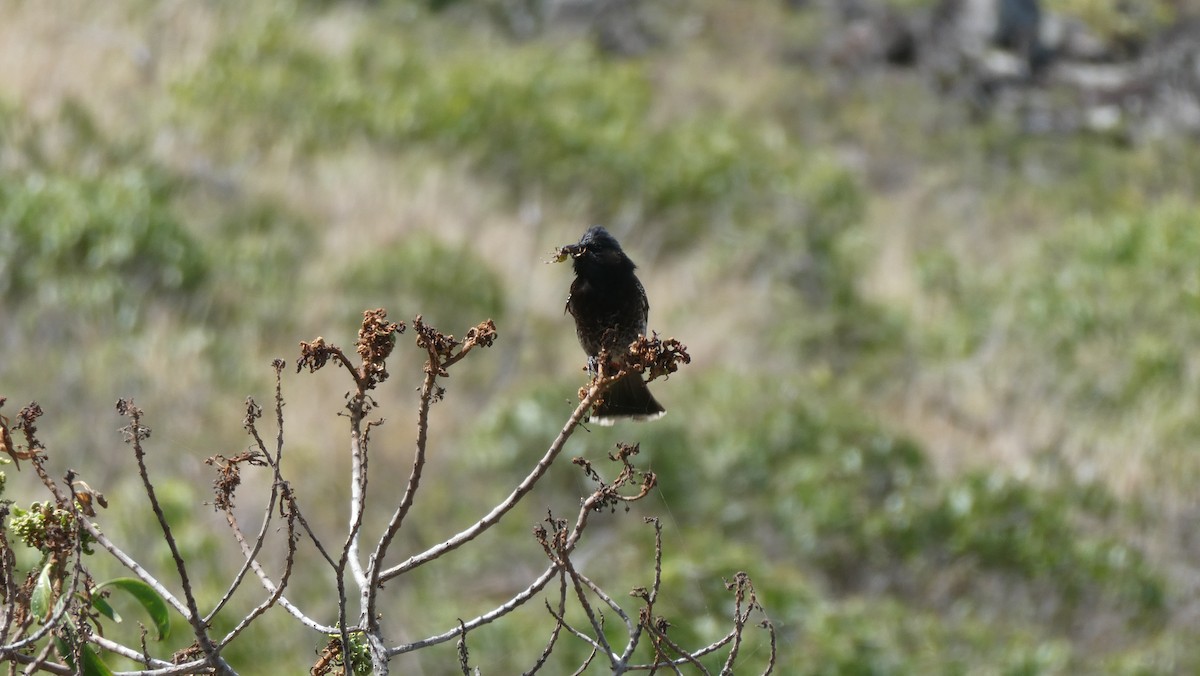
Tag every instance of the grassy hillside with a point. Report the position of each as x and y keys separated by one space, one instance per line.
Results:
x=944 y=368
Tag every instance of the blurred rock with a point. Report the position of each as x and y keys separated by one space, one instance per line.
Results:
x=1169 y=77
x=863 y=33
x=885 y=36
x=1070 y=39
x=618 y=27
x=969 y=33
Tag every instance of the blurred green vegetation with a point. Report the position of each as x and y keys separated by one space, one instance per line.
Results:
x=95 y=245
x=454 y=283
x=98 y=236
x=173 y=254
x=553 y=118
x=1128 y=22
x=97 y=233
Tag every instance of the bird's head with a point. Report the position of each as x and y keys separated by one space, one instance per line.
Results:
x=596 y=249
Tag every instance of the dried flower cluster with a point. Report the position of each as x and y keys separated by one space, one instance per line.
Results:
x=376 y=338
x=657 y=357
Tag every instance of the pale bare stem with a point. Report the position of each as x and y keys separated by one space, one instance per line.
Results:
x=488 y=617
x=48 y=667
x=376 y=339
x=245 y=567
x=283 y=580
x=660 y=657
x=195 y=667
x=146 y=659
x=278 y=364
x=313 y=538
x=379 y=653
x=8 y=564
x=576 y=633
x=410 y=491
x=690 y=657
x=59 y=612
x=133 y=566
x=251 y=555
x=130 y=653
x=294 y=508
x=135 y=433
x=657 y=558
x=252 y=413
x=271 y=587
x=603 y=596
x=290 y=607
x=744 y=596
x=583 y=667
x=770 y=627
x=648 y=596
x=501 y=509
x=558 y=625
x=558 y=548
x=160 y=667
x=661 y=638
x=596 y=620
x=464 y=656
x=39 y=663
x=358 y=499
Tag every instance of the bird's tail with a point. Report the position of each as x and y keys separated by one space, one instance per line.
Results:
x=628 y=398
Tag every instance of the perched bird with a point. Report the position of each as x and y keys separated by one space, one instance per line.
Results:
x=610 y=309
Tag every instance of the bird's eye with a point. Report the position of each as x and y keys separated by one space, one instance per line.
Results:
x=581 y=251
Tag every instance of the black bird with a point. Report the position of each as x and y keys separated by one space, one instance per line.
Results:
x=610 y=309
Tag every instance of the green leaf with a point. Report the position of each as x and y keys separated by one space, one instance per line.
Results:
x=42 y=593
x=149 y=599
x=92 y=664
x=64 y=651
x=101 y=605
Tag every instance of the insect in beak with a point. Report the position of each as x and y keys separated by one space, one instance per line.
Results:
x=568 y=251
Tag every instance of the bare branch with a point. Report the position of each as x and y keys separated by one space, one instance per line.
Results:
x=558 y=625
x=135 y=433
x=253 y=413
x=358 y=498
x=274 y=597
x=486 y=618
x=229 y=469
x=770 y=627
x=578 y=634
x=743 y=597
x=648 y=596
x=271 y=587
x=127 y=652
x=38 y=660
x=134 y=567
x=501 y=509
x=414 y=480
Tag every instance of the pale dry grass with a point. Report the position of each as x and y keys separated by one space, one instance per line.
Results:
x=113 y=57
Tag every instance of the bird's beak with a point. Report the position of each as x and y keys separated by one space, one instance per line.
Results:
x=568 y=251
